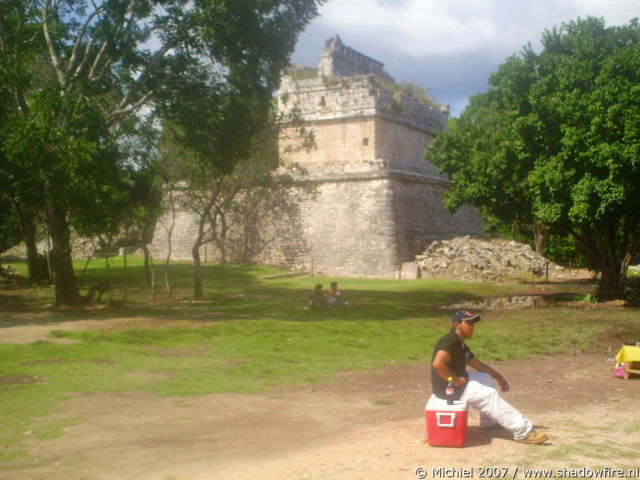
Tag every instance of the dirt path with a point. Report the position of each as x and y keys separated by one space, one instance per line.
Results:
x=364 y=425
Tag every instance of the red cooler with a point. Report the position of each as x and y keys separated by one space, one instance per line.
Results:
x=446 y=424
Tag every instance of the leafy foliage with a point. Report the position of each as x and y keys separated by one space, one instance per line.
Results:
x=555 y=142
x=82 y=80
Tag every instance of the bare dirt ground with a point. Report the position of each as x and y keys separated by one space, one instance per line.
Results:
x=364 y=425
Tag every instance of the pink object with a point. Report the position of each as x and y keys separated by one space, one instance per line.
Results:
x=618 y=372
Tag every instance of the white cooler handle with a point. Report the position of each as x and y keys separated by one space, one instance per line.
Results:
x=446 y=419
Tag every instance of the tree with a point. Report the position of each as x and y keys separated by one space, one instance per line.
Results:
x=231 y=203
x=109 y=65
x=19 y=207
x=147 y=199
x=10 y=233
x=556 y=141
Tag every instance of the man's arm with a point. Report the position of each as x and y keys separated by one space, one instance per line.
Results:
x=441 y=366
x=484 y=368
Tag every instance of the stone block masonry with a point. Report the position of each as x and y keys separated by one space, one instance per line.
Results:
x=339 y=60
x=377 y=203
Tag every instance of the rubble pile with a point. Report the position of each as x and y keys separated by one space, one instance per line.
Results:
x=471 y=259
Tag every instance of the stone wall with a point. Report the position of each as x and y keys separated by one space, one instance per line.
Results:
x=421 y=217
x=339 y=60
x=376 y=202
x=328 y=98
x=175 y=234
x=379 y=202
x=265 y=238
x=346 y=224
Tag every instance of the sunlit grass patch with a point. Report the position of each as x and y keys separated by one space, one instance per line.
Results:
x=250 y=334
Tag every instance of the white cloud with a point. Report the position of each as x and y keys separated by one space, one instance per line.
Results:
x=442 y=27
x=414 y=27
x=448 y=46
x=616 y=12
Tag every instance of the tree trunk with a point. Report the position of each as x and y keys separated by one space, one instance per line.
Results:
x=540 y=234
x=147 y=266
x=125 y=276
x=167 y=259
x=197 y=278
x=611 y=281
x=66 y=286
x=222 y=237
x=167 y=283
x=36 y=272
x=107 y=262
x=37 y=269
x=153 y=276
x=614 y=256
x=195 y=251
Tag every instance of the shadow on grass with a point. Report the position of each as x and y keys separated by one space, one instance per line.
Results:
x=236 y=292
x=12 y=302
x=289 y=304
x=217 y=276
x=273 y=303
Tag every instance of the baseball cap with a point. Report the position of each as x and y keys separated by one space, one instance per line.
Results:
x=464 y=315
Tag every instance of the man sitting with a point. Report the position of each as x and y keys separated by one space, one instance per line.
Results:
x=317 y=298
x=335 y=298
x=450 y=358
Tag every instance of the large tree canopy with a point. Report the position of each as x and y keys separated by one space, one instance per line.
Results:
x=82 y=77
x=556 y=141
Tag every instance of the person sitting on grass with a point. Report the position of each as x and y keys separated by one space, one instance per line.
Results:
x=450 y=358
x=335 y=298
x=317 y=298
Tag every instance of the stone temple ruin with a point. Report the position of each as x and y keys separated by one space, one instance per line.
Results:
x=377 y=202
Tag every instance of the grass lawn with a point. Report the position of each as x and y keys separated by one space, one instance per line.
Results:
x=249 y=334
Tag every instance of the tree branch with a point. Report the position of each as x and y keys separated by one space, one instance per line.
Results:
x=76 y=47
x=4 y=55
x=55 y=60
x=585 y=241
x=85 y=60
x=103 y=71
x=97 y=60
x=103 y=47
x=132 y=107
x=3 y=34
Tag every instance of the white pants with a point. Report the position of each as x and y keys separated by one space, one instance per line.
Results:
x=481 y=395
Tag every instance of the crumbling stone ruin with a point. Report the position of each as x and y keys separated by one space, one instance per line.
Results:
x=472 y=259
x=377 y=202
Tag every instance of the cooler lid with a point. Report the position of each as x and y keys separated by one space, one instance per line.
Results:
x=440 y=404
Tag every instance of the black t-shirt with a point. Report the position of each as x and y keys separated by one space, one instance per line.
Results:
x=460 y=356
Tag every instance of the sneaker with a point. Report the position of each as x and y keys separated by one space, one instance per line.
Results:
x=534 y=437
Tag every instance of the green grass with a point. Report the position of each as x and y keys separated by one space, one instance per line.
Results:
x=250 y=334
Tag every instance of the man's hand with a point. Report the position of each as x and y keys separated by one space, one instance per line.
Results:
x=504 y=385
x=460 y=381
x=483 y=367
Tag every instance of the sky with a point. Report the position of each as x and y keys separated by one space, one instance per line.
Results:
x=449 y=47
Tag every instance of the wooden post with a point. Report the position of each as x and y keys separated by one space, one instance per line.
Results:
x=546 y=273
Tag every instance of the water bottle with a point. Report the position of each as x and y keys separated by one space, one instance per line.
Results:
x=450 y=392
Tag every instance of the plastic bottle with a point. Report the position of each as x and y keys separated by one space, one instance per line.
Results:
x=449 y=393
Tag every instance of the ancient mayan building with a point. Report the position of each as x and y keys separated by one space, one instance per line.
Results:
x=377 y=202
